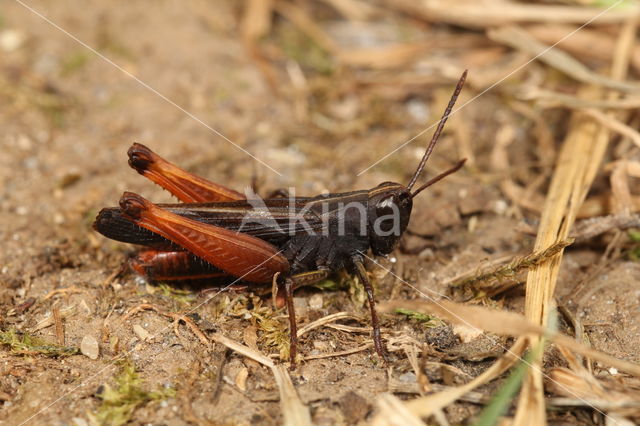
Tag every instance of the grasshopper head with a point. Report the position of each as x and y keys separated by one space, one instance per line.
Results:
x=389 y=207
x=389 y=210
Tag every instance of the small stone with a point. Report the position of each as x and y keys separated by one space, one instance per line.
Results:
x=354 y=407
x=409 y=377
x=466 y=333
x=441 y=338
x=78 y=421
x=321 y=346
x=142 y=334
x=500 y=207
x=316 y=301
x=300 y=302
x=419 y=111
x=11 y=40
x=334 y=376
x=58 y=219
x=241 y=379
x=89 y=347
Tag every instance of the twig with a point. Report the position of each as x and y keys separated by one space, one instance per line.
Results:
x=341 y=353
x=490 y=14
x=518 y=38
x=49 y=321
x=295 y=413
x=515 y=266
x=614 y=124
x=67 y=290
x=325 y=320
x=242 y=349
x=550 y=99
x=218 y=384
x=176 y=318
x=57 y=318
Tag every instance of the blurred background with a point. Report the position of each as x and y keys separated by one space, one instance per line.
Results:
x=328 y=95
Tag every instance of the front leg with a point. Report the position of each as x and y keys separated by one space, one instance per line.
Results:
x=375 y=324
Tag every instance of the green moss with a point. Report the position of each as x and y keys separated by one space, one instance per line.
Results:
x=120 y=401
x=633 y=252
x=616 y=4
x=26 y=344
x=183 y=297
x=634 y=234
x=425 y=319
x=273 y=331
x=304 y=50
x=74 y=61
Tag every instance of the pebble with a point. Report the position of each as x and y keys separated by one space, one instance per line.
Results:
x=141 y=332
x=409 y=377
x=316 y=301
x=89 y=347
x=79 y=421
x=354 y=407
x=11 y=40
x=241 y=379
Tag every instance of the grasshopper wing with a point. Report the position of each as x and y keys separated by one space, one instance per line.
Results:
x=236 y=253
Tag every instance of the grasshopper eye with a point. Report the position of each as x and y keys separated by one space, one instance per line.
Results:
x=403 y=199
x=386 y=206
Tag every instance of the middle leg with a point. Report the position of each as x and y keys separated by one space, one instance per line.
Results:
x=375 y=323
x=290 y=284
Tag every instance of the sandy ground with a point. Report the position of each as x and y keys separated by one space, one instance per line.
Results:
x=68 y=117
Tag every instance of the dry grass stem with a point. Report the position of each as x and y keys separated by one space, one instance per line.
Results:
x=256 y=22
x=587 y=229
x=511 y=269
x=614 y=125
x=352 y=329
x=507 y=324
x=493 y=13
x=580 y=158
x=177 y=318
x=393 y=412
x=50 y=320
x=65 y=291
x=243 y=350
x=305 y=23
x=427 y=405
x=324 y=321
x=355 y=10
x=57 y=319
x=518 y=38
x=550 y=99
x=341 y=353
x=588 y=43
x=396 y=386
x=295 y=413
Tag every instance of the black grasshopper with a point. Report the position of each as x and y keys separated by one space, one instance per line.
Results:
x=216 y=231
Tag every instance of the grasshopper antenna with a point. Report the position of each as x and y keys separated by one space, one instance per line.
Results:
x=436 y=134
x=442 y=175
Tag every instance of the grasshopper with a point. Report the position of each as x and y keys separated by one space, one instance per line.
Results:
x=292 y=242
